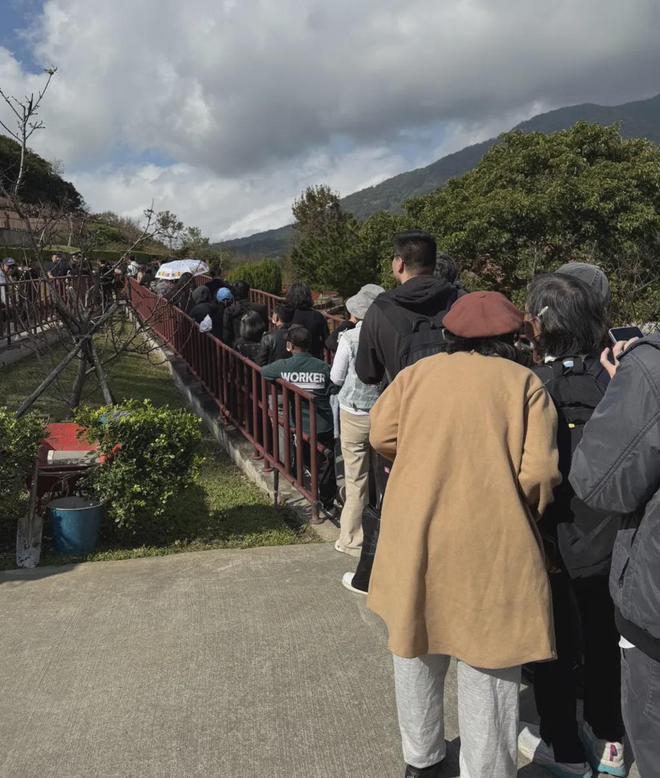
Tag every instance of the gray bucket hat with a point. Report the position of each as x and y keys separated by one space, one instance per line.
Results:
x=359 y=304
x=592 y=276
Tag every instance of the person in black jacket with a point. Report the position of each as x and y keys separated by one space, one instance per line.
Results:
x=204 y=305
x=181 y=293
x=217 y=282
x=332 y=341
x=236 y=311
x=273 y=343
x=616 y=467
x=569 y=332
x=249 y=341
x=299 y=298
x=391 y=318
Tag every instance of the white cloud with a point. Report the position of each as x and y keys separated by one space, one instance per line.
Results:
x=227 y=208
x=249 y=98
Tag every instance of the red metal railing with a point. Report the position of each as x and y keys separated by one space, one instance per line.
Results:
x=268 y=414
x=28 y=306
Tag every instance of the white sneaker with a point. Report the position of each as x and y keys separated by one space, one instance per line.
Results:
x=536 y=750
x=605 y=757
x=345 y=550
x=347 y=581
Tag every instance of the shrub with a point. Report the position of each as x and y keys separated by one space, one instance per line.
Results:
x=19 y=444
x=265 y=275
x=150 y=454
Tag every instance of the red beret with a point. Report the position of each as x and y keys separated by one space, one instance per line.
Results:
x=483 y=315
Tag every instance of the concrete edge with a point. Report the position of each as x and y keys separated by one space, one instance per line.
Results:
x=23 y=346
x=234 y=444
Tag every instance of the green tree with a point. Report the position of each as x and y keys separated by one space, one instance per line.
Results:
x=329 y=252
x=265 y=275
x=193 y=242
x=536 y=201
x=169 y=228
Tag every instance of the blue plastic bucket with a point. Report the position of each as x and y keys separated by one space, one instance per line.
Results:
x=76 y=523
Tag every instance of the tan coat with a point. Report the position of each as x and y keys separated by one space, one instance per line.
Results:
x=459 y=568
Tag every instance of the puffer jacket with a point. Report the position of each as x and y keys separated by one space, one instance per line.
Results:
x=616 y=467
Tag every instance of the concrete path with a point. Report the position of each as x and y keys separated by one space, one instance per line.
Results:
x=220 y=663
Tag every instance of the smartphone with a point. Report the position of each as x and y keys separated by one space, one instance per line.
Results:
x=624 y=333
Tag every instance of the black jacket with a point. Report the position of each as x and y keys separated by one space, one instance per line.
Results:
x=332 y=341
x=616 y=467
x=381 y=336
x=272 y=347
x=248 y=349
x=317 y=325
x=231 y=328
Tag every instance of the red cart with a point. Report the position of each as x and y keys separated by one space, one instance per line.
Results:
x=63 y=458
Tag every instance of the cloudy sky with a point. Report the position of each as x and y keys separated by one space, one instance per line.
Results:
x=224 y=110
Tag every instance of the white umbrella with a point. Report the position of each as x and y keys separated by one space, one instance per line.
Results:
x=173 y=270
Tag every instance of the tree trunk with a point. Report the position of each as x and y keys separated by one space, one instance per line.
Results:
x=31 y=399
x=79 y=383
x=48 y=380
x=19 y=177
x=108 y=399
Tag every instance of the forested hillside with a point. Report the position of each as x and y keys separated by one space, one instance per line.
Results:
x=639 y=119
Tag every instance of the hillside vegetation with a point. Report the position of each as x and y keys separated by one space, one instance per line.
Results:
x=42 y=183
x=639 y=119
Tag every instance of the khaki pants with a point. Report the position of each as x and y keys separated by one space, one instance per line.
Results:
x=355 y=451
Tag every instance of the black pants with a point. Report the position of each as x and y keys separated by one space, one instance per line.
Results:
x=326 y=467
x=379 y=473
x=580 y=606
x=640 y=691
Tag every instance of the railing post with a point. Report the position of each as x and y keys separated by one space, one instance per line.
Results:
x=314 y=462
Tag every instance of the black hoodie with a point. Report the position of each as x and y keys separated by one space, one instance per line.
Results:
x=382 y=334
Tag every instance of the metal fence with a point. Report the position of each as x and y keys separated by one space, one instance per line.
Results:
x=28 y=306
x=269 y=415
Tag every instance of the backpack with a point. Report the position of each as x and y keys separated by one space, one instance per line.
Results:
x=424 y=336
x=585 y=537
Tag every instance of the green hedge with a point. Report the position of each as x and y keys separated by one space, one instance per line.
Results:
x=102 y=255
x=150 y=454
x=265 y=275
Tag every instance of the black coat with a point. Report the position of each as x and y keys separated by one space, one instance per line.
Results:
x=272 y=347
x=248 y=349
x=231 y=328
x=616 y=467
x=381 y=336
x=317 y=325
x=332 y=341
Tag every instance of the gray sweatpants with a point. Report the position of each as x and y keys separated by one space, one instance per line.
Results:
x=640 y=697
x=488 y=712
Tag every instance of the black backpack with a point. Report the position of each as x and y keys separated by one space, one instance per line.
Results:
x=424 y=335
x=585 y=537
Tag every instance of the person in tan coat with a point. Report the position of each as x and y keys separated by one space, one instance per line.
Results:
x=459 y=570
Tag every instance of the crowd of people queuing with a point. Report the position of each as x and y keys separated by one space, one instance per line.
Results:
x=522 y=470
x=501 y=491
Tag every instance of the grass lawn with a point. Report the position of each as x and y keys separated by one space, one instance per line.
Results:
x=223 y=509
x=134 y=375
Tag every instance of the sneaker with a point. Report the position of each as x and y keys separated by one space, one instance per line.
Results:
x=434 y=771
x=538 y=751
x=605 y=757
x=347 y=581
x=330 y=510
x=345 y=550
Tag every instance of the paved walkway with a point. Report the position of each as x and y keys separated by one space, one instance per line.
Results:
x=220 y=663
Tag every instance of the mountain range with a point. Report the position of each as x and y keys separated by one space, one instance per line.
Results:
x=640 y=119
